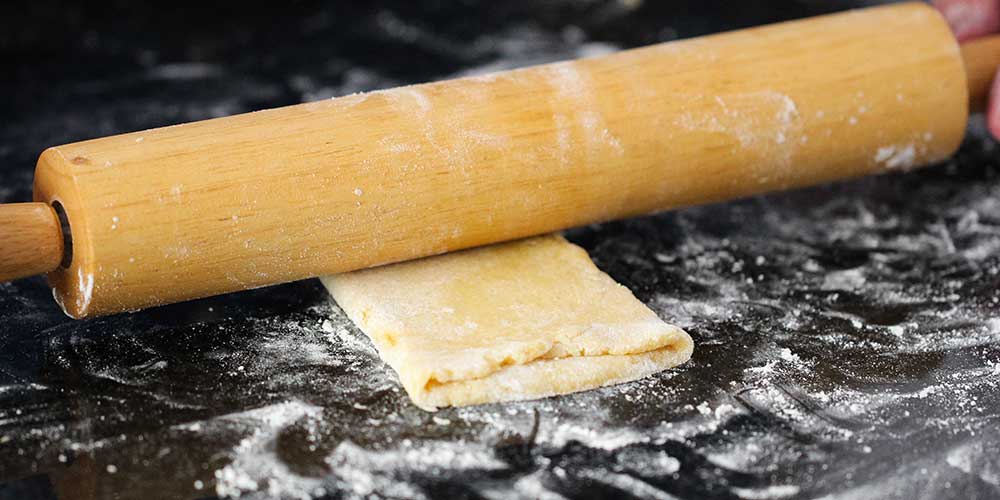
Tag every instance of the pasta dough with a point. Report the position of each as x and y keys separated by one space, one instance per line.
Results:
x=511 y=321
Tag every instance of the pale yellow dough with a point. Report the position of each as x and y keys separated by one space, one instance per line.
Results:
x=512 y=321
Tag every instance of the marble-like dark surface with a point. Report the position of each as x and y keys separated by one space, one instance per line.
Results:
x=847 y=336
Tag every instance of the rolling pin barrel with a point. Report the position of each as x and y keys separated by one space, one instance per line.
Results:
x=204 y=208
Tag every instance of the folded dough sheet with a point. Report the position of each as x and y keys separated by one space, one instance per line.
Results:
x=511 y=321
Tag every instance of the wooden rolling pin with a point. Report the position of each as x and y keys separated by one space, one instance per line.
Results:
x=204 y=208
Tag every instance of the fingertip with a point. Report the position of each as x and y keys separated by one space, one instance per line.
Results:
x=970 y=18
x=993 y=108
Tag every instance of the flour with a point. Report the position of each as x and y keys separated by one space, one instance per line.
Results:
x=898 y=156
x=846 y=336
x=255 y=466
x=606 y=439
x=769 y=492
x=849 y=279
x=366 y=472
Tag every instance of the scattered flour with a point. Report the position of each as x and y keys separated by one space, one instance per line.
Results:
x=255 y=466
x=849 y=279
x=897 y=156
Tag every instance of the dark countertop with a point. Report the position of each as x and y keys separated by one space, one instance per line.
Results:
x=847 y=336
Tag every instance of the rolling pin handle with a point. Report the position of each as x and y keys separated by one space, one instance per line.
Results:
x=982 y=58
x=31 y=240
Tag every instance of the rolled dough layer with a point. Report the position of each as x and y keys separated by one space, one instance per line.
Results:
x=511 y=321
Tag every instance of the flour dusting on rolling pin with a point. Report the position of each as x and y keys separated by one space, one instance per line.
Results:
x=205 y=208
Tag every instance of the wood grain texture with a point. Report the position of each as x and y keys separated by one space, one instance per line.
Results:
x=30 y=240
x=325 y=187
x=981 y=58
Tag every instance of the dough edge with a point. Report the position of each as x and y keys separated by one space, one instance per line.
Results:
x=550 y=377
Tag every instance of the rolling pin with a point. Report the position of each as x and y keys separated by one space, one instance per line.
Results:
x=165 y=215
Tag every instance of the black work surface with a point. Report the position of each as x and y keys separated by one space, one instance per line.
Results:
x=847 y=336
